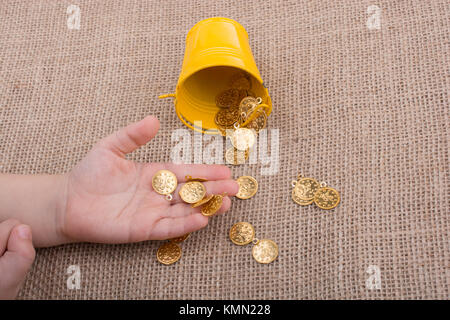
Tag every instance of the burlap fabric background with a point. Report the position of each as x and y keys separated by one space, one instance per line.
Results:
x=365 y=110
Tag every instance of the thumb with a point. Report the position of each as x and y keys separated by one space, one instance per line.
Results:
x=16 y=261
x=132 y=136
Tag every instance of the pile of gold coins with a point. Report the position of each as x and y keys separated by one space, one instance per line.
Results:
x=241 y=116
x=308 y=190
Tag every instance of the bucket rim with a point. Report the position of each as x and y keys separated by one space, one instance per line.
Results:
x=216 y=19
x=187 y=76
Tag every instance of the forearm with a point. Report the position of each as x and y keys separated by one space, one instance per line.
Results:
x=36 y=200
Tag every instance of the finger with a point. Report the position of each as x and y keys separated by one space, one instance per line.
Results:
x=230 y=187
x=132 y=136
x=205 y=171
x=5 y=231
x=167 y=228
x=16 y=261
x=185 y=209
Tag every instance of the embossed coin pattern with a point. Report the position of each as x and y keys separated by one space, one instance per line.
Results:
x=248 y=186
x=242 y=233
x=228 y=98
x=306 y=188
x=243 y=139
x=247 y=105
x=327 y=198
x=259 y=122
x=192 y=192
x=265 y=251
x=212 y=206
x=298 y=200
x=168 y=253
x=164 y=182
x=227 y=117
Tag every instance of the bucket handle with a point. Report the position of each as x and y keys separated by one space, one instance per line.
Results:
x=169 y=95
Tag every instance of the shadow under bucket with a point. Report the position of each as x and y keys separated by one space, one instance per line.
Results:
x=216 y=50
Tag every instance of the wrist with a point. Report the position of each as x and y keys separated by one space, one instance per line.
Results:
x=60 y=207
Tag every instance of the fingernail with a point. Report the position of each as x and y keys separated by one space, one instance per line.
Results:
x=24 y=232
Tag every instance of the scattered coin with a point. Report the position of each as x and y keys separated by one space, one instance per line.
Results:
x=327 y=198
x=192 y=192
x=168 y=253
x=265 y=251
x=242 y=233
x=306 y=188
x=248 y=186
x=298 y=200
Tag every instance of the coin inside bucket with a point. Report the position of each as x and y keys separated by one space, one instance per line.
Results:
x=199 y=95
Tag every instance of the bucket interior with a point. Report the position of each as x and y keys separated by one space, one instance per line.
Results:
x=196 y=94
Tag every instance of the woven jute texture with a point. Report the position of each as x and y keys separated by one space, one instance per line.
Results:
x=364 y=109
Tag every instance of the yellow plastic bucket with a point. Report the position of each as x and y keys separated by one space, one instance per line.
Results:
x=216 y=49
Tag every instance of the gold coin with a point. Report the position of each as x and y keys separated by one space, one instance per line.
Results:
x=259 y=122
x=227 y=117
x=212 y=206
x=189 y=178
x=236 y=157
x=247 y=187
x=243 y=139
x=306 y=188
x=247 y=105
x=164 y=182
x=242 y=233
x=241 y=81
x=203 y=201
x=327 y=198
x=228 y=98
x=168 y=253
x=300 y=201
x=180 y=239
x=265 y=251
x=192 y=192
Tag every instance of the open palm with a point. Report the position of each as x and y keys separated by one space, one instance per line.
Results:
x=110 y=199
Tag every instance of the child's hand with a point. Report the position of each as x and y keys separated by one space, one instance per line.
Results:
x=16 y=256
x=110 y=199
